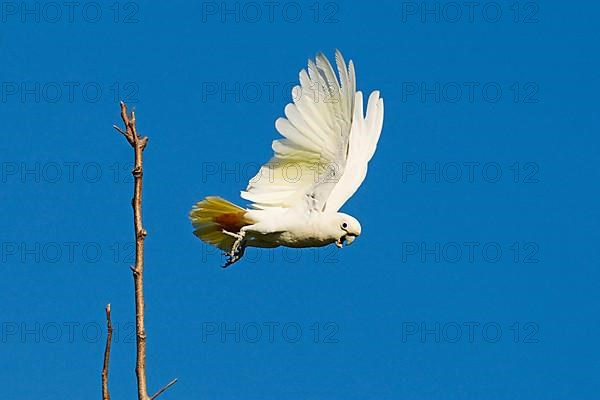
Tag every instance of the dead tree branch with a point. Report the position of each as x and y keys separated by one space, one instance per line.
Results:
x=139 y=144
x=174 y=381
x=105 y=393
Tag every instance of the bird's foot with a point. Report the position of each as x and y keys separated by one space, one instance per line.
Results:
x=238 y=244
x=233 y=235
x=237 y=249
x=233 y=258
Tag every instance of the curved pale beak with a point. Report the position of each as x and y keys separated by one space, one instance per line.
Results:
x=349 y=239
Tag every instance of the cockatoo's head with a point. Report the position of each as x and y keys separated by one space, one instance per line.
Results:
x=348 y=229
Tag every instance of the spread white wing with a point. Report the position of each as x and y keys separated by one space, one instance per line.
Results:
x=327 y=144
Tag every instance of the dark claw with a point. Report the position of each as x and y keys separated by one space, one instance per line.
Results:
x=233 y=258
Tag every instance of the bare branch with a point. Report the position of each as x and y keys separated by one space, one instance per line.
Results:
x=139 y=144
x=174 y=381
x=105 y=393
x=120 y=130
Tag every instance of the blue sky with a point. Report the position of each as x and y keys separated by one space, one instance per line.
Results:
x=475 y=276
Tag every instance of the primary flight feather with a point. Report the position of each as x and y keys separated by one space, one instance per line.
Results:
x=317 y=166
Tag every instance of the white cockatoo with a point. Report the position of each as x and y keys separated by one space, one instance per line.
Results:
x=317 y=166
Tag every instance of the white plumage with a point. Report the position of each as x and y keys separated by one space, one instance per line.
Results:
x=317 y=166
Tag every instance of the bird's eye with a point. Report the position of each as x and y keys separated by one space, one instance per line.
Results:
x=344 y=225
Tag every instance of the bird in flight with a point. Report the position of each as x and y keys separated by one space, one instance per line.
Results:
x=316 y=167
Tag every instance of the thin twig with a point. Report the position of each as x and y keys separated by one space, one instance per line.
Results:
x=105 y=393
x=174 y=381
x=139 y=144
